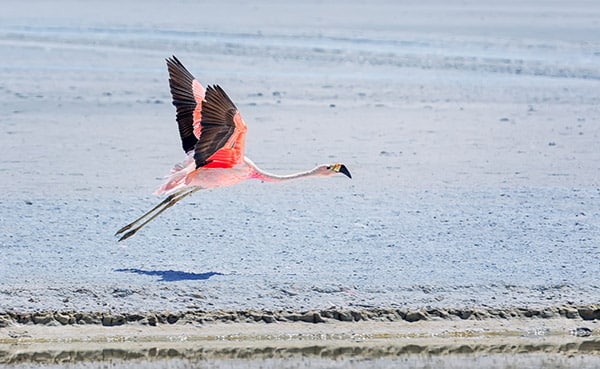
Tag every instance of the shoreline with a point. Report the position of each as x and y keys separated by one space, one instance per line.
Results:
x=375 y=338
x=559 y=322
x=589 y=312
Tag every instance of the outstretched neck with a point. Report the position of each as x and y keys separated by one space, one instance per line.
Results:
x=262 y=175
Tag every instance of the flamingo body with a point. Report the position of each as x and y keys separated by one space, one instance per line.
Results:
x=213 y=136
x=187 y=175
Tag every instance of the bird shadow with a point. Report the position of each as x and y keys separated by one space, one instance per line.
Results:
x=171 y=275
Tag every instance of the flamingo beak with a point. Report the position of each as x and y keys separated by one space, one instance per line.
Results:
x=345 y=171
x=341 y=168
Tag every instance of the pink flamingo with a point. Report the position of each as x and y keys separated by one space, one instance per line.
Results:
x=213 y=135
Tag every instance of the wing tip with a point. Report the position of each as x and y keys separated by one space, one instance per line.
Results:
x=181 y=84
x=176 y=68
x=173 y=60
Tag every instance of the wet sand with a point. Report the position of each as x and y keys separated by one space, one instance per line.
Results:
x=561 y=337
x=471 y=132
x=555 y=342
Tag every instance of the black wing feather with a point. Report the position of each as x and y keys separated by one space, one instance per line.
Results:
x=217 y=122
x=180 y=82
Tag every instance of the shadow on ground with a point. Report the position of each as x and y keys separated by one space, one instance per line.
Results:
x=171 y=275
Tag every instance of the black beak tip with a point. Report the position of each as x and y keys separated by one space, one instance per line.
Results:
x=345 y=171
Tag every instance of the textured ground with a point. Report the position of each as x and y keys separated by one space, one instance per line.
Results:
x=379 y=342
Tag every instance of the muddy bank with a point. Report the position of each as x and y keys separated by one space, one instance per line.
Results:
x=50 y=318
x=465 y=343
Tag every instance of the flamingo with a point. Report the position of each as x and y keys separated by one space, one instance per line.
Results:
x=213 y=135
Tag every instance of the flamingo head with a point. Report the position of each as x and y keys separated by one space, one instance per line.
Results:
x=336 y=168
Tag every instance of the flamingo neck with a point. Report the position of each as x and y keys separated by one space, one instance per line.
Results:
x=262 y=175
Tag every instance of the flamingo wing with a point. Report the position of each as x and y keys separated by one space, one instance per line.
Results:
x=187 y=94
x=221 y=143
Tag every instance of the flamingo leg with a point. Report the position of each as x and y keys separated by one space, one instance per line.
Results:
x=166 y=200
x=166 y=203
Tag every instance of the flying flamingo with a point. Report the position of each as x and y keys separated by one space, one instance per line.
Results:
x=213 y=135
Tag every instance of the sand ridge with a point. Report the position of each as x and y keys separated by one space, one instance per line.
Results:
x=585 y=313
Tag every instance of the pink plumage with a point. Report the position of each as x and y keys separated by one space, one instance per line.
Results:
x=213 y=136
